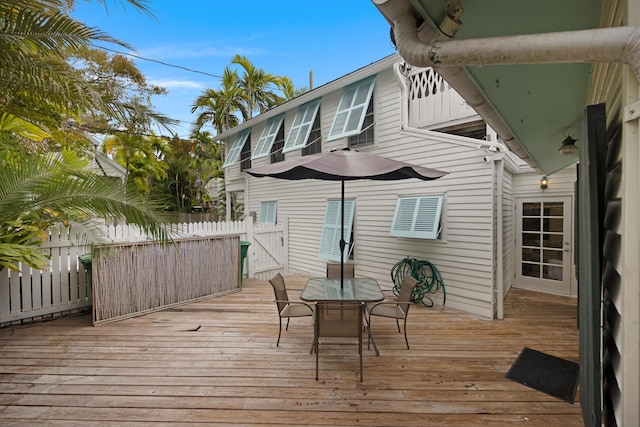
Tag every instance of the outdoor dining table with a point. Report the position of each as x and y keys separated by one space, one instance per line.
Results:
x=354 y=289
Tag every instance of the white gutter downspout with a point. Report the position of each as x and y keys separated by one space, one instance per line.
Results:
x=496 y=193
x=499 y=238
x=618 y=44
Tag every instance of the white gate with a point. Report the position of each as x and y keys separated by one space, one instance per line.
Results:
x=268 y=252
x=63 y=287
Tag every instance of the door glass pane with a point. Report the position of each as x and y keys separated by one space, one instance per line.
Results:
x=531 y=209
x=553 y=224
x=552 y=257
x=530 y=270
x=530 y=224
x=529 y=254
x=550 y=241
x=531 y=239
x=552 y=272
x=553 y=209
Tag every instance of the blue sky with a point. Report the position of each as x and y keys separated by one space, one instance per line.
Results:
x=288 y=37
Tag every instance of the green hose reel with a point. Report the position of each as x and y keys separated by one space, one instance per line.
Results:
x=428 y=277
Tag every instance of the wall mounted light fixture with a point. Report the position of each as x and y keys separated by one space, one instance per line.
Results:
x=568 y=146
x=544 y=183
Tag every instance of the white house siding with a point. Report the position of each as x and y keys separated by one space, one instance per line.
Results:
x=560 y=183
x=465 y=255
x=508 y=232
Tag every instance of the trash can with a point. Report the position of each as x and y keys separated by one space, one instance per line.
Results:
x=244 y=247
x=85 y=259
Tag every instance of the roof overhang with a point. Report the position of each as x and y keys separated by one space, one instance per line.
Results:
x=524 y=66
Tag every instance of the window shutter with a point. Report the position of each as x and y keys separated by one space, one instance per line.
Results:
x=332 y=230
x=263 y=147
x=234 y=153
x=268 y=212
x=352 y=110
x=301 y=127
x=417 y=217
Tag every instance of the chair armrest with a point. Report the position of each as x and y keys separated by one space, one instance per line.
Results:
x=375 y=304
x=295 y=302
x=371 y=307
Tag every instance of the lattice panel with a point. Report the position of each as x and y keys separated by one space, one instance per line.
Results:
x=426 y=83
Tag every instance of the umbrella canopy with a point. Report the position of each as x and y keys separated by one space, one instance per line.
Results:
x=345 y=165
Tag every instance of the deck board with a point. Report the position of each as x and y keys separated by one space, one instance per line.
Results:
x=215 y=362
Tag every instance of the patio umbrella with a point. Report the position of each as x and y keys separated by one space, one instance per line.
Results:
x=345 y=165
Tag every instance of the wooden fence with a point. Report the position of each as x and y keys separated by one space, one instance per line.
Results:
x=139 y=277
x=64 y=287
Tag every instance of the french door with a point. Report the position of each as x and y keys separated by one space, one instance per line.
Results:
x=543 y=244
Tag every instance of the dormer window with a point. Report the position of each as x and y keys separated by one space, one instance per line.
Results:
x=353 y=107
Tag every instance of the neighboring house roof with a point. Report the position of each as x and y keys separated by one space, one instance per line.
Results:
x=106 y=166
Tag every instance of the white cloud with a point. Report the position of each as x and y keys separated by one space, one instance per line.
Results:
x=178 y=84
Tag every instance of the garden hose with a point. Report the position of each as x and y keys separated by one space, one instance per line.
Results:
x=428 y=277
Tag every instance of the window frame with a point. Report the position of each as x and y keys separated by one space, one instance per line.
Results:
x=366 y=135
x=276 y=148
x=314 y=146
x=245 y=154
x=301 y=126
x=331 y=230
x=236 y=148
x=352 y=102
x=269 y=212
x=269 y=133
x=407 y=221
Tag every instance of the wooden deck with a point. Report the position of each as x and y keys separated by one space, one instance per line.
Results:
x=216 y=362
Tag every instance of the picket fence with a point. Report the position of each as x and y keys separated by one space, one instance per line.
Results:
x=64 y=287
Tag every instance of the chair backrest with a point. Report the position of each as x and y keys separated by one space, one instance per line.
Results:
x=339 y=319
x=406 y=292
x=280 y=291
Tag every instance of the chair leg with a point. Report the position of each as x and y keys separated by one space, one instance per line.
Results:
x=370 y=337
x=360 y=351
x=405 y=332
x=317 y=358
x=287 y=328
x=279 y=332
x=398 y=325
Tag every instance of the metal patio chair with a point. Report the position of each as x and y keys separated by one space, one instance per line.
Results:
x=287 y=309
x=338 y=320
x=398 y=309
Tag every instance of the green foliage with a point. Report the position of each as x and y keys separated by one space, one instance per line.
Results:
x=253 y=91
x=42 y=191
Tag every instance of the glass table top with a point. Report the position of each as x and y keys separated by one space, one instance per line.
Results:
x=361 y=289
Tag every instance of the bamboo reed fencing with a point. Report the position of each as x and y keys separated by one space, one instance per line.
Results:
x=139 y=277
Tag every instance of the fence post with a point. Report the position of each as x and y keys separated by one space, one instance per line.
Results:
x=248 y=225
x=285 y=244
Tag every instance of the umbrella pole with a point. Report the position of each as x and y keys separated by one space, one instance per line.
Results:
x=342 y=242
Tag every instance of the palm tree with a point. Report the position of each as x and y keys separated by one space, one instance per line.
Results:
x=40 y=91
x=218 y=107
x=256 y=83
x=140 y=156
x=288 y=89
x=57 y=189
x=38 y=85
